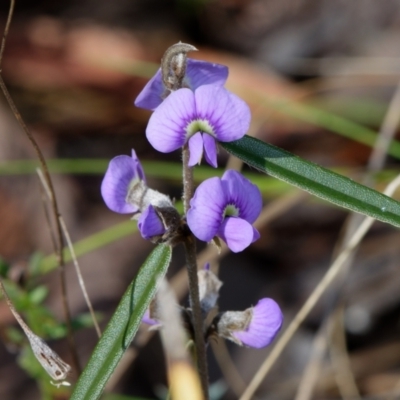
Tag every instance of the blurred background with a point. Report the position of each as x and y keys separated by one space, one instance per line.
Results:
x=319 y=77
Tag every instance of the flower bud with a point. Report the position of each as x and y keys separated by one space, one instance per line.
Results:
x=209 y=286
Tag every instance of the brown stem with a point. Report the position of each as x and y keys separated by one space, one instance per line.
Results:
x=191 y=263
x=173 y=67
x=197 y=320
x=60 y=242
x=187 y=179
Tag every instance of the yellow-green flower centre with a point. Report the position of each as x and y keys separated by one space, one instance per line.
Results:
x=231 y=211
x=199 y=125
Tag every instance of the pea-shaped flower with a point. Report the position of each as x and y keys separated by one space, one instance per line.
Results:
x=198 y=73
x=226 y=207
x=255 y=327
x=124 y=191
x=122 y=174
x=198 y=119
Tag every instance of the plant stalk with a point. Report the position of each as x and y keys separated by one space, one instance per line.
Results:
x=191 y=263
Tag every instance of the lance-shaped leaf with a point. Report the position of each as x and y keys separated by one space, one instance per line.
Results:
x=123 y=326
x=316 y=180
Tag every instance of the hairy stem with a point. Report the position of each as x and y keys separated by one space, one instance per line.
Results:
x=191 y=263
x=187 y=179
x=173 y=68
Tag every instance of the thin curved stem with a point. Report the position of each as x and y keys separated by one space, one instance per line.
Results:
x=56 y=213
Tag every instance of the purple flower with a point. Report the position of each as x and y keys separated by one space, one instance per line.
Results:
x=149 y=223
x=226 y=207
x=122 y=173
x=255 y=327
x=198 y=73
x=201 y=118
x=124 y=190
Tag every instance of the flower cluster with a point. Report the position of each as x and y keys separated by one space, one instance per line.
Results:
x=193 y=110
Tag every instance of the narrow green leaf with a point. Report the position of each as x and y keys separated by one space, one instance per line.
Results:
x=314 y=179
x=123 y=326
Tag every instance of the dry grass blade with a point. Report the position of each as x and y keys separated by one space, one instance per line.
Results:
x=329 y=277
x=311 y=373
x=386 y=133
x=55 y=210
x=48 y=359
x=6 y=29
x=73 y=256
x=80 y=277
x=228 y=368
x=340 y=357
x=183 y=380
x=346 y=381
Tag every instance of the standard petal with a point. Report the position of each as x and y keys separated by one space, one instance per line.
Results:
x=199 y=73
x=206 y=209
x=265 y=324
x=210 y=147
x=195 y=149
x=228 y=114
x=245 y=195
x=166 y=128
x=237 y=233
x=114 y=188
x=149 y=224
x=152 y=94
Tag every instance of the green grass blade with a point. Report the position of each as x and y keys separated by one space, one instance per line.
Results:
x=314 y=179
x=123 y=326
x=91 y=243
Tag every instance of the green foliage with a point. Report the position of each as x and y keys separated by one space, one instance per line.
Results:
x=123 y=326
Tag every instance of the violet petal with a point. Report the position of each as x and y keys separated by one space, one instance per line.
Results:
x=195 y=149
x=199 y=73
x=210 y=147
x=245 y=195
x=166 y=130
x=206 y=209
x=114 y=187
x=237 y=233
x=228 y=114
x=265 y=324
x=138 y=166
x=149 y=223
x=256 y=235
x=152 y=94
